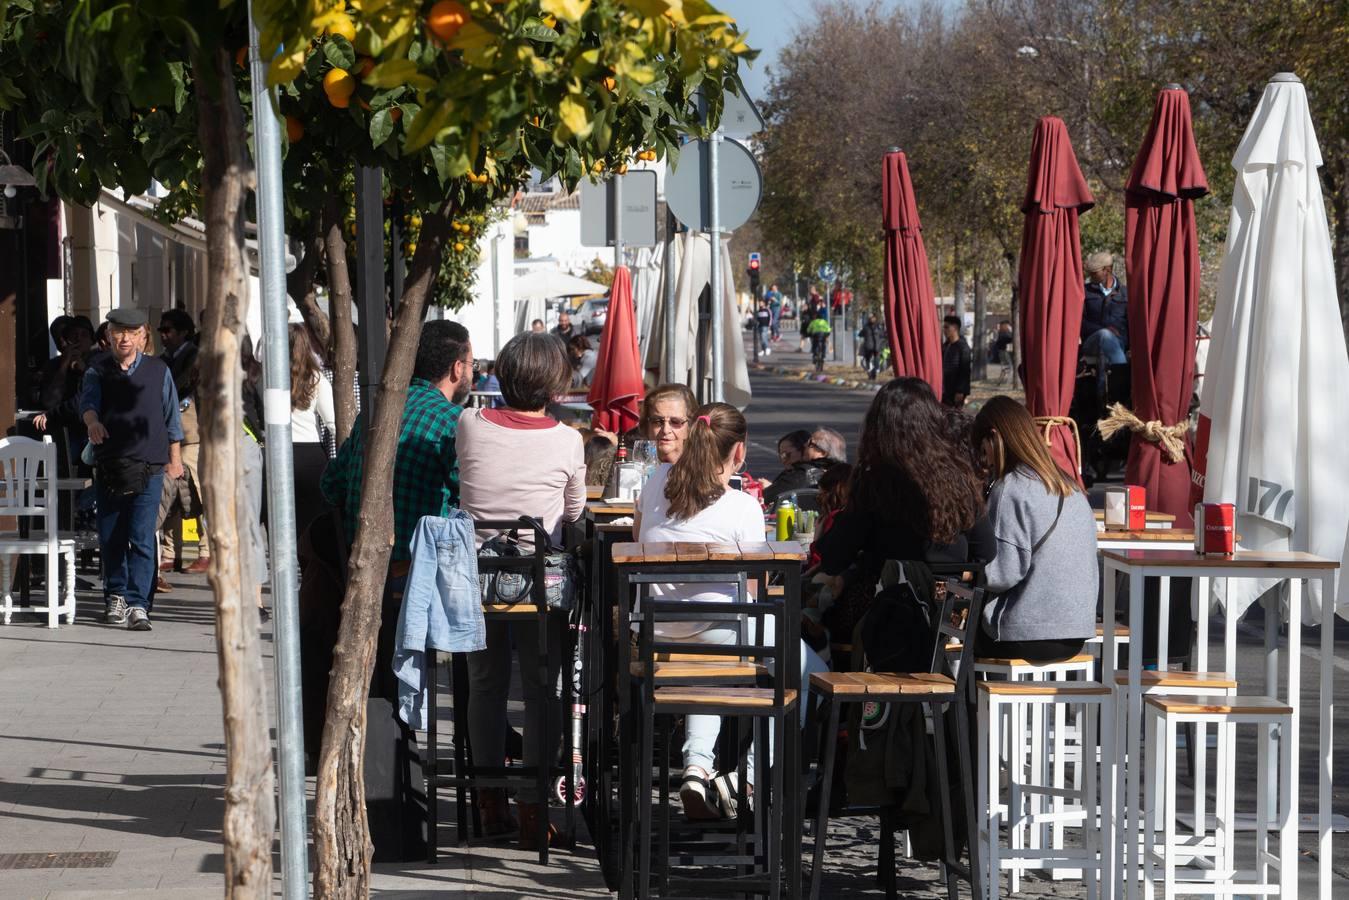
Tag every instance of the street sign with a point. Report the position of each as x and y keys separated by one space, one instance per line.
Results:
x=739 y=116
x=739 y=186
x=828 y=274
x=639 y=210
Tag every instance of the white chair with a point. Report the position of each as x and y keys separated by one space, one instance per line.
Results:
x=28 y=490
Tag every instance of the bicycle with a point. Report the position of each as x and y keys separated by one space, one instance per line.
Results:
x=818 y=345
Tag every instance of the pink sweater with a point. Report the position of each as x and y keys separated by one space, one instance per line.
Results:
x=506 y=471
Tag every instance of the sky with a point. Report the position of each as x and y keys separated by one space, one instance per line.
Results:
x=771 y=24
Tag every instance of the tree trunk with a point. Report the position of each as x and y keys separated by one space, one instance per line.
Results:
x=980 y=324
x=250 y=816
x=344 y=334
x=1015 y=316
x=341 y=832
x=302 y=289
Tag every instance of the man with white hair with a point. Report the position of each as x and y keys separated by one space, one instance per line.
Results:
x=1105 y=315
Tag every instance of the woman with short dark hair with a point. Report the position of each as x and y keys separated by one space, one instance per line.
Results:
x=517 y=461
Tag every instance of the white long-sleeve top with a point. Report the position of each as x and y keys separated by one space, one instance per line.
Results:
x=304 y=423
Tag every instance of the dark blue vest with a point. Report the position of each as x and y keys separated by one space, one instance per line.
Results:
x=133 y=411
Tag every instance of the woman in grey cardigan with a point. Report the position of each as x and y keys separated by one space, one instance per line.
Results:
x=1043 y=583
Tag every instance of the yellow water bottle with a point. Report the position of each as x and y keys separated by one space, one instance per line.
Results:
x=786 y=520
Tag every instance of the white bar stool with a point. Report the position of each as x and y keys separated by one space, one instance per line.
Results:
x=1047 y=750
x=1163 y=716
x=1093 y=856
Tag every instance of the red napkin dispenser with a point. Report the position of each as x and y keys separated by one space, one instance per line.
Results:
x=1215 y=528
x=1126 y=508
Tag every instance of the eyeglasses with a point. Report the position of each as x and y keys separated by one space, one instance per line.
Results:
x=659 y=422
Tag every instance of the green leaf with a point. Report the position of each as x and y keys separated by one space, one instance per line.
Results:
x=393 y=73
x=427 y=124
x=381 y=127
x=339 y=52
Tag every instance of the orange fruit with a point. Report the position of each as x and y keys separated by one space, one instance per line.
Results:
x=342 y=25
x=609 y=82
x=294 y=129
x=339 y=86
x=396 y=113
x=460 y=246
x=446 y=18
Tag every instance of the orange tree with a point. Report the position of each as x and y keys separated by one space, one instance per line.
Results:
x=457 y=102
x=480 y=93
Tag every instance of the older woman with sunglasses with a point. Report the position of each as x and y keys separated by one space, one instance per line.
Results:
x=665 y=419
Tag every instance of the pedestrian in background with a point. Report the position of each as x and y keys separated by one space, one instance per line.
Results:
x=763 y=327
x=955 y=364
x=774 y=298
x=130 y=407
x=311 y=411
x=871 y=339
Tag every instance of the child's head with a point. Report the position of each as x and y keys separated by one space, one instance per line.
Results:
x=834 y=488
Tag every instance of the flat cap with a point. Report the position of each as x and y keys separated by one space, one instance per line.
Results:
x=125 y=317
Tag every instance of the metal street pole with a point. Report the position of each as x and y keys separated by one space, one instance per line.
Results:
x=670 y=277
x=718 y=307
x=281 y=479
x=370 y=290
x=618 y=222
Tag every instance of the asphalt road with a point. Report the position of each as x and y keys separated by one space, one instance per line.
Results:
x=780 y=405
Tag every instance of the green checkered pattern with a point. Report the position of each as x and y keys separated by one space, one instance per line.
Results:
x=426 y=474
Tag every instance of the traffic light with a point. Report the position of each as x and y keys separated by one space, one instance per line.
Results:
x=754 y=274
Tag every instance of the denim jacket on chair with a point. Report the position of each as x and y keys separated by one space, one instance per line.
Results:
x=442 y=606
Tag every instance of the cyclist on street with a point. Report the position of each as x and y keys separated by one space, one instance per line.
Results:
x=819 y=330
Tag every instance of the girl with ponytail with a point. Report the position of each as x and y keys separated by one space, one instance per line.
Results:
x=692 y=501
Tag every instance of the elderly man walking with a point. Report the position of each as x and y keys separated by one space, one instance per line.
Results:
x=1105 y=316
x=130 y=407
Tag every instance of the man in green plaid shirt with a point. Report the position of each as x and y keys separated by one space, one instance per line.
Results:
x=426 y=474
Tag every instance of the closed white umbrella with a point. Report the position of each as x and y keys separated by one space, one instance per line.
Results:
x=1275 y=399
x=545 y=284
x=692 y=265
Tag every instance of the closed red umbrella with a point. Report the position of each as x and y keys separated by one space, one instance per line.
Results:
x=1161 y=252
x=616 y=389
x=1051 y=285
x=910 y=309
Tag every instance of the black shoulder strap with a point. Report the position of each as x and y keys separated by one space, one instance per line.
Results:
x=1052 y=525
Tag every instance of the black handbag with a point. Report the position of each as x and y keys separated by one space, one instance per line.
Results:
x=561 y=573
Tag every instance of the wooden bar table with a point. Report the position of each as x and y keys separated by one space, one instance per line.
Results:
x=1141 y=564
x=1151 y=519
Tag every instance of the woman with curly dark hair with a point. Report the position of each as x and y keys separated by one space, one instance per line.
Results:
x=915 y=496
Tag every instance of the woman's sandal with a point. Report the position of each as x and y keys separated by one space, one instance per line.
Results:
x=697 y=795
x=728 y=794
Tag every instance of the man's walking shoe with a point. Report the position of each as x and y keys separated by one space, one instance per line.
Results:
x=162 y=585
x=138 y=620
x=200 y=566
x=115 y=611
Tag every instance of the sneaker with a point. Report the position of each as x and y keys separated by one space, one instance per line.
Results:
x=115 y=611
x=138 y=620
x=697 y=795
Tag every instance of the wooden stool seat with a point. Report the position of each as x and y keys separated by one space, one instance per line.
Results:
x=1079 y=659
x=1121 y=631
x=627 y=554
x=879 y=685
x=686 y=670
x=510 y=609
x=1156 y=679
x=1043 y=688
x=720 y=697
x=1181 y=704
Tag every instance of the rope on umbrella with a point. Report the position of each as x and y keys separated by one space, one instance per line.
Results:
x=1170 y=437
x=1049 y=422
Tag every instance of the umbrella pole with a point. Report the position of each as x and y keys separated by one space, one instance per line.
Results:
x=670 y=299
x=718 y=392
